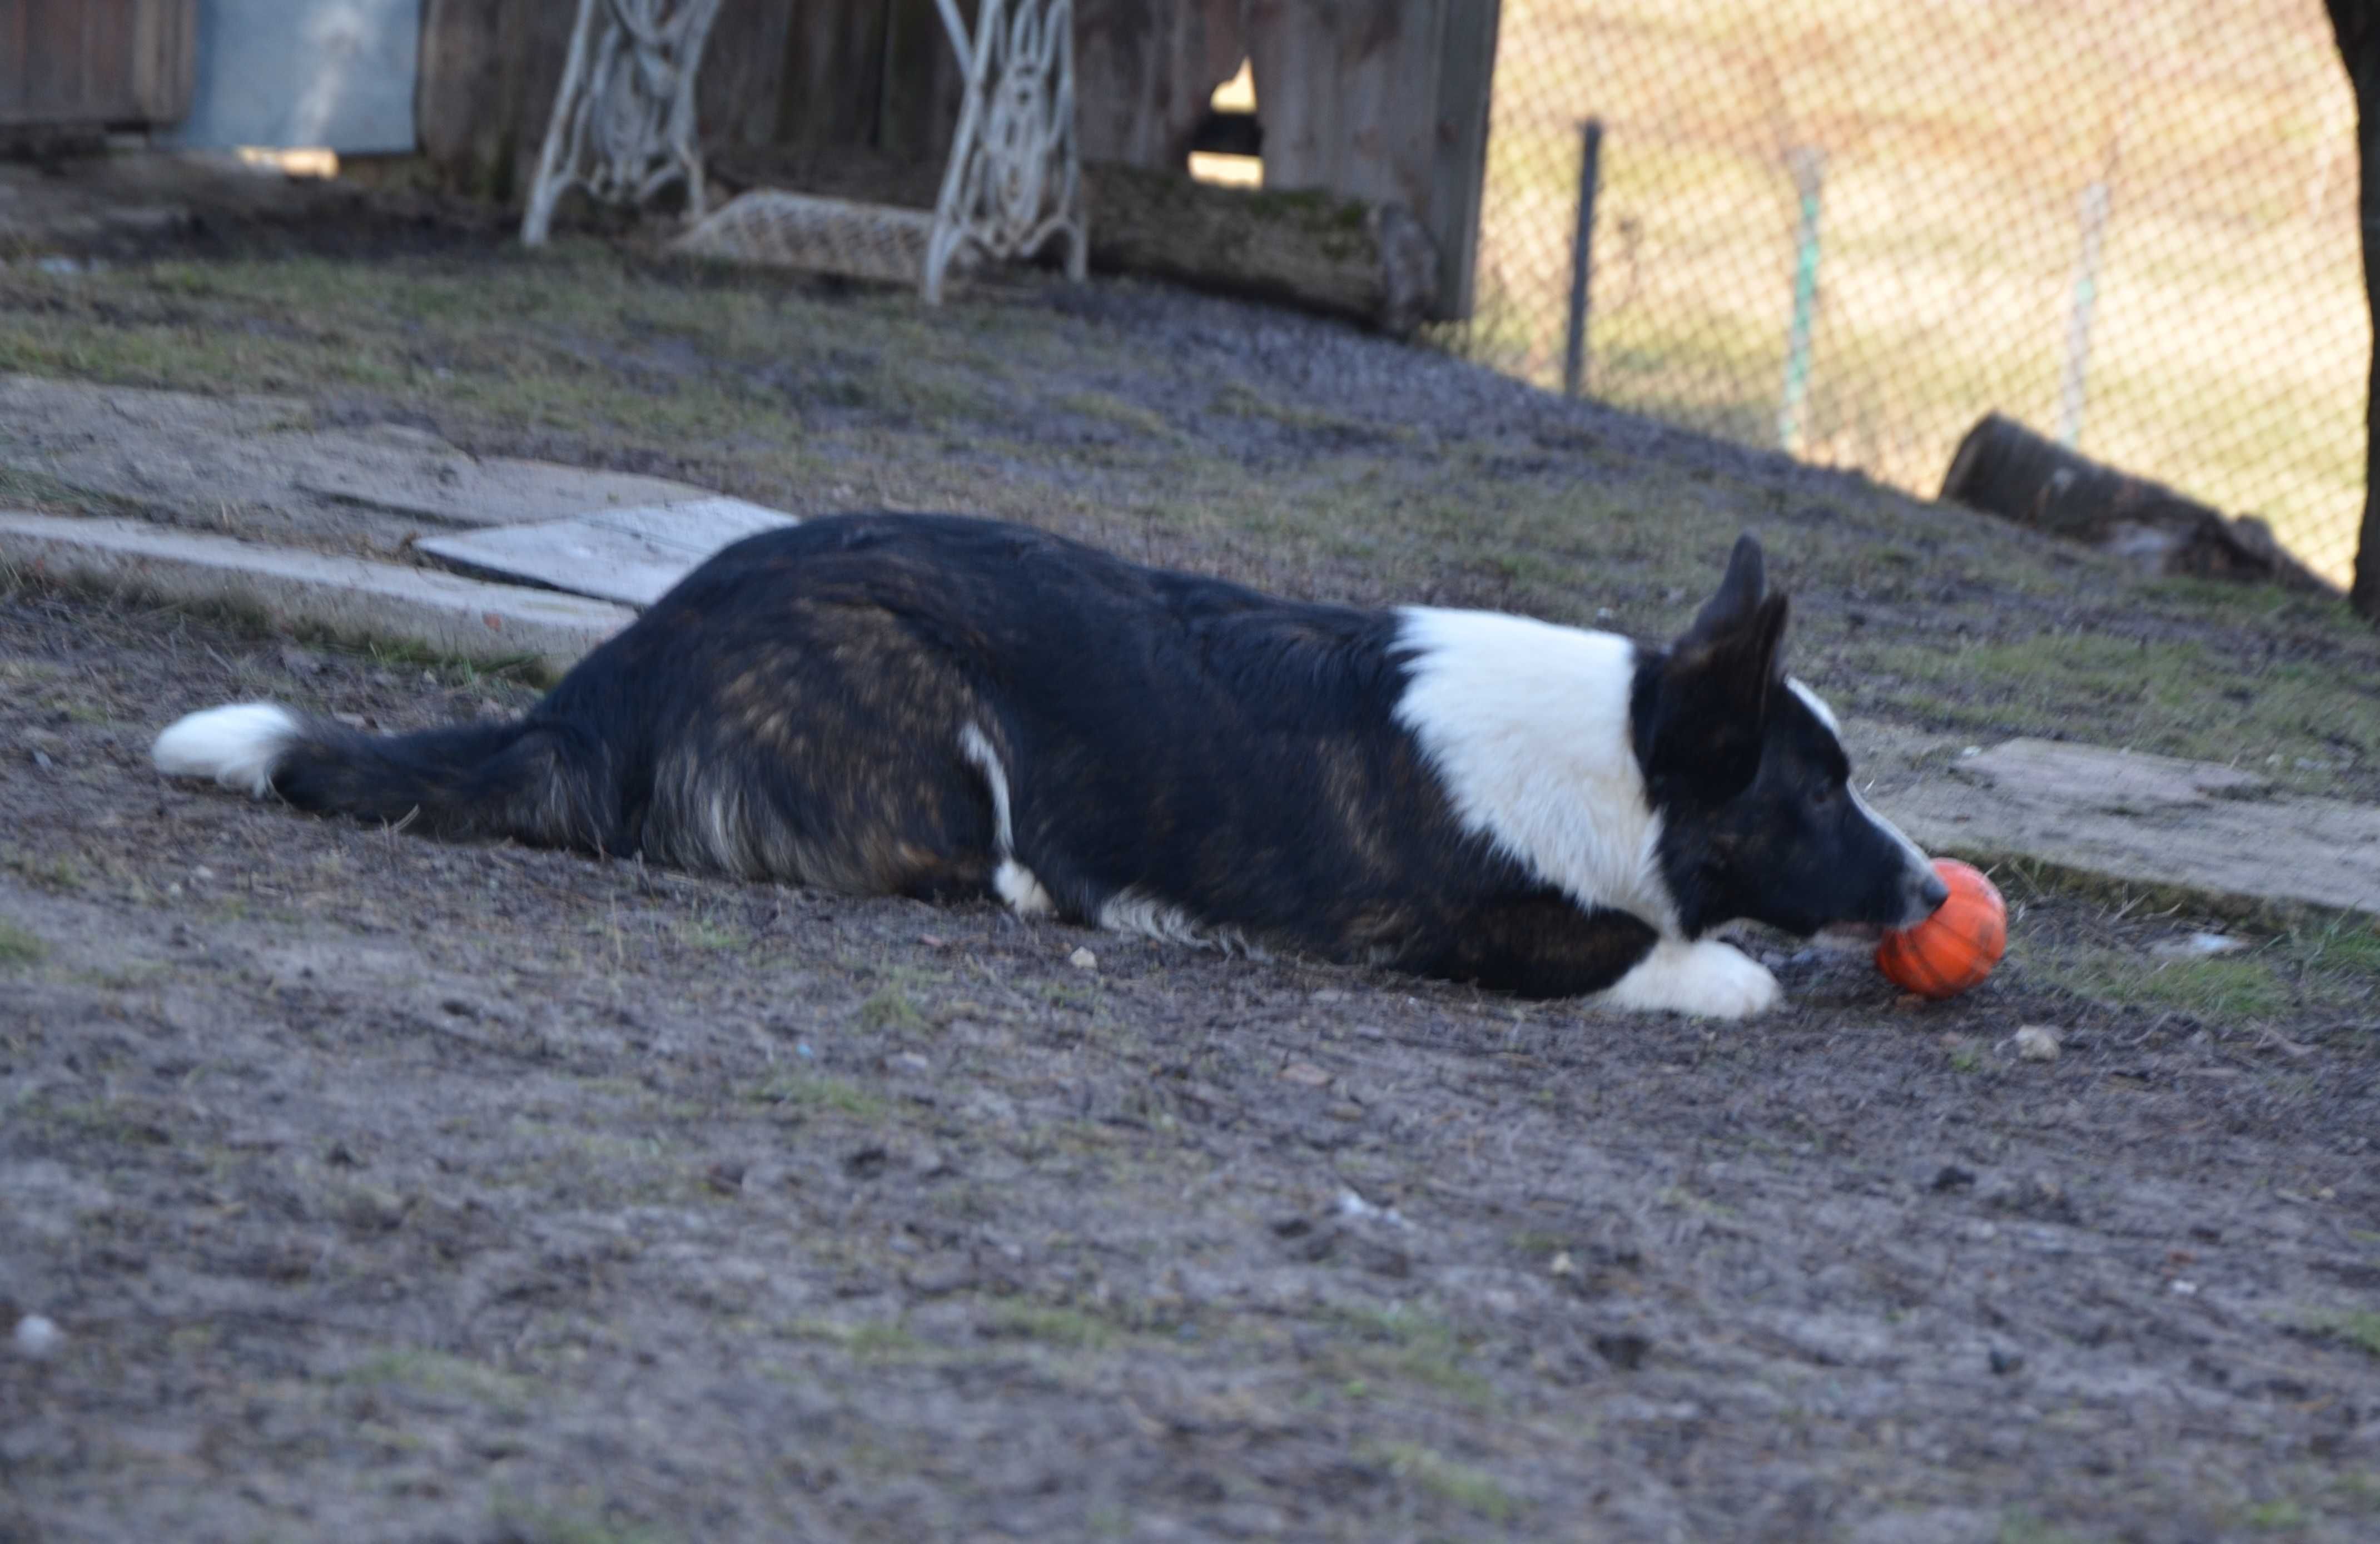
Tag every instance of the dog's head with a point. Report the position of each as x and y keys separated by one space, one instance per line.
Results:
x=1746 y=768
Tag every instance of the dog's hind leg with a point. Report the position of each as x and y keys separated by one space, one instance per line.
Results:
x=1010 y=880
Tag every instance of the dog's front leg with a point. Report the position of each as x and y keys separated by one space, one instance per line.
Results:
x=1704 y=977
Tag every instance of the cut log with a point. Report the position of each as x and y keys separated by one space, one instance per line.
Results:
x=1368 y=263
x=2004 y=468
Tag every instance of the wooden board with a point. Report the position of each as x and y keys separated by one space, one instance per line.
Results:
x=95 y=62
x=1372 y=264
x=631 y=555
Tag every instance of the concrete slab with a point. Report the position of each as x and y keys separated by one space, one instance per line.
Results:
x=257 y=464
x=2224 y=836
x=631 y=555
x=352 y=599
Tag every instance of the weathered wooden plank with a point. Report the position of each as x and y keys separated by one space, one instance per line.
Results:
x=1145 y=71
x=1371 y=264
x=95 y=62
x=1338 y=89
x=1466 y=71
x=351 y=599
x=630 y=555
x=489 y=69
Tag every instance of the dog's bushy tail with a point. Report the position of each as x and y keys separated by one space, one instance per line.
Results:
x=540 y=783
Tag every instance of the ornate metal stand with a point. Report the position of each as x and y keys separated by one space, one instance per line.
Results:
x=624 y=128
x=1014 y=177
x=622 y=125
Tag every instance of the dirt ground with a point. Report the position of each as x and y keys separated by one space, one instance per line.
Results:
x=387 y=1189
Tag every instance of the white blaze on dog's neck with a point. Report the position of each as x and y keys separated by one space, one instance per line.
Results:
x=1817 y=706
x=1527 y=726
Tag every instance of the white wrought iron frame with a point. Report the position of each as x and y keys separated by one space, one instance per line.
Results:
x=1015 y=177
x=622 y=125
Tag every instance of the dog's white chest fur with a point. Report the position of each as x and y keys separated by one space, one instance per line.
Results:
x=1526 y=725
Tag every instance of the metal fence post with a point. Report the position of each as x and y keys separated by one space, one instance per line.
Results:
x=1809 y=165
x=2070 y=391
x=1582 y=249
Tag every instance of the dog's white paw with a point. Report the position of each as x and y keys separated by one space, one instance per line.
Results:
x=1706 y=978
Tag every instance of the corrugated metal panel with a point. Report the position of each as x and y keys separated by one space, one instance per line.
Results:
x=337 y=74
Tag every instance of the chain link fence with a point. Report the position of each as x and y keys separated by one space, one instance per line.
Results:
x=1851 y=227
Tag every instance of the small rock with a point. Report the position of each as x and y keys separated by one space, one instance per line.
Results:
x=1562 y=1265
x=1305 y=1075
x=2200 y=946
x=2183 y=1287
x=2007 y=1360
x=1083 y=959
x=909 y=1061
x=1625 y=1350
x=1951 y=1177
x=42 y=761
x=727 y=1178
x=2036 y=1042
x=203 y=873
x=37 y=1337
x=1329 y=994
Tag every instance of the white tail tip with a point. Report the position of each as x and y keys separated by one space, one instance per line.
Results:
x=239 y=747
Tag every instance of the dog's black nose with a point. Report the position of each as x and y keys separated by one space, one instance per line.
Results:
x=1931 y=893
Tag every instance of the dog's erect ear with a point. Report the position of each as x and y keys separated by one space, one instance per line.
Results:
x=1739 y=593
x=1717 y=683
x=1736 y=645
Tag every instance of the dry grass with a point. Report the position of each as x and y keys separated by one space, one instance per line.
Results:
x=2229 y=337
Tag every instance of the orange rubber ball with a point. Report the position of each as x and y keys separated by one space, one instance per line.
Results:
x=1957 y=946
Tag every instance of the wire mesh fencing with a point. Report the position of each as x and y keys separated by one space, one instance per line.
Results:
x=1850 y=228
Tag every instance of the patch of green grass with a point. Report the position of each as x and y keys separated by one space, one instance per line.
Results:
x=23 y=488
x=810 y=1091
x=1068 y=1329
x=2285 y=719
x=47 y=873
x=2223 y=990
x=2356 y=1327
x=889 y=1008
x=1114 y=409
x=19 y=948
x=119 y=977
x=1456 y=1484
x=436 y=1372
x=871 y=1341
x=1416 y=1347
x=2281 y=1516
x=2023 y=1527
x=713 y=936
x=517 y=1522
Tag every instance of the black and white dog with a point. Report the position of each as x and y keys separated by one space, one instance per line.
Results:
x=938 y=706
